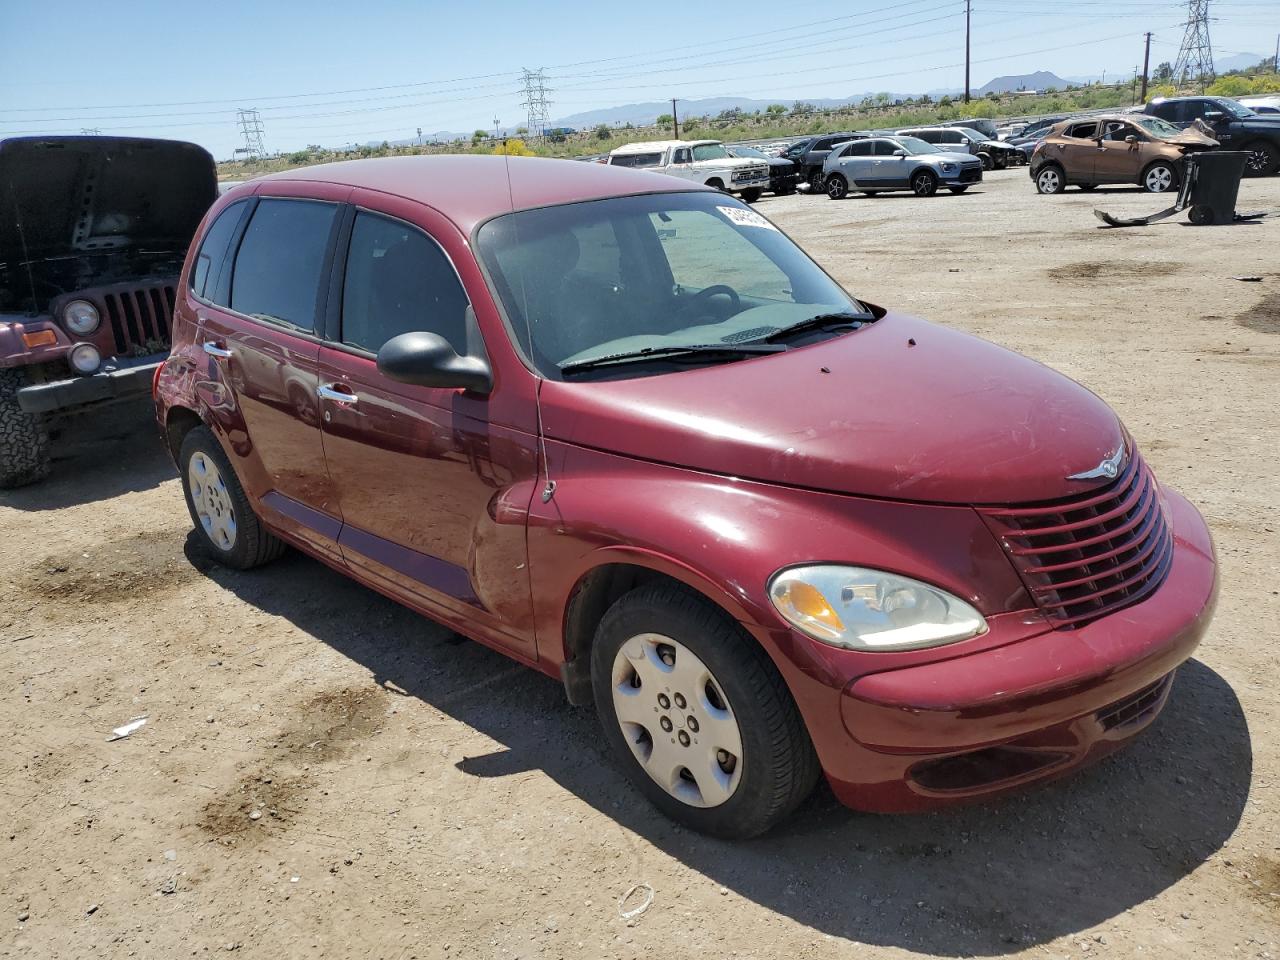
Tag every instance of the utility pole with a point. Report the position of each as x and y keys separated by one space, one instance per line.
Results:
x=968 y=14
x=675 y=119
x=1275 y=63
x=1146 y=66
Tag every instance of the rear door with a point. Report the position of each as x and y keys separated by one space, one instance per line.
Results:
x=433 y=492
x=855 y=162
x=1077 y=151
x=258 y=333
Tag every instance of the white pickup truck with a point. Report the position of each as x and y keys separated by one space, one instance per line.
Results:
x=701 y=161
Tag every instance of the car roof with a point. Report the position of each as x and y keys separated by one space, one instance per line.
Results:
x=648 y=146
x=469 y=189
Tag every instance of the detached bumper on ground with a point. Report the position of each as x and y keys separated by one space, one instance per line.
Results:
x=975 y=726
x=117 y=380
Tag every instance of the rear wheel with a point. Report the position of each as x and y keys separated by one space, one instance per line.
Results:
x=987 y=163
x=924 y=183
x=750 y=196
x=220 y=510
x=1051 y=179
x=698 y=714
x=24 y=443
x=1160 y=177
x=837 y=186
x=1264 y=159
x=817 y=183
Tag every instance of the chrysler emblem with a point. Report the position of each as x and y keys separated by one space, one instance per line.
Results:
x=1108 y=469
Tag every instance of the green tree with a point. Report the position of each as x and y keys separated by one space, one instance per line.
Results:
x=775 y=110
x=802 y=108
x=1163 y=73
x=603 y=132
x=479 y=135
x=665 y=120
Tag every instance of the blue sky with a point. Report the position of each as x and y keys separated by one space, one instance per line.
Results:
x=330 y=73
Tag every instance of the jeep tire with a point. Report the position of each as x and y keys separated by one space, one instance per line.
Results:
x=24 y=442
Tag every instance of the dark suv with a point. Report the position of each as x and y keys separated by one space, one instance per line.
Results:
x=93 y=232
x=1234 y=125
x=810 y=154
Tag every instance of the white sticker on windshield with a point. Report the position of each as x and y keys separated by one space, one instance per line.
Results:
x=745 y=218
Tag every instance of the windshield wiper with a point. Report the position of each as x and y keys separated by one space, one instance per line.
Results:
x=843 y=318
x=661 y=353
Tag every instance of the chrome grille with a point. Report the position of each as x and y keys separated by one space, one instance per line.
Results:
x=1086 y=557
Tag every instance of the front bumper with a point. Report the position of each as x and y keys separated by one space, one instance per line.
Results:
x=118 y=379
x=973 y=726
x=963 y=177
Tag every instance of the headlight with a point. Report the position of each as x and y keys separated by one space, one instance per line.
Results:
x=948 y=168
x=862 y=609
x=80 y=317
x=84 y=358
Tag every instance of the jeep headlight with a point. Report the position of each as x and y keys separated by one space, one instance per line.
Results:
x=863 y=609
x=80 y=317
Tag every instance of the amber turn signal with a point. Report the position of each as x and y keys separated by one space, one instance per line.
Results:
x=41 y=338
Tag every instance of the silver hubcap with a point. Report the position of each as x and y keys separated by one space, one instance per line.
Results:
x=677 y=721
x=1258 y=160
x=1159 y=180
x=1049 y=181
x=212 y=501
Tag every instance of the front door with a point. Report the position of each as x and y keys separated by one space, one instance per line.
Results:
x=1115 y=159
x=258 y=332
x=889 y=170
x=433 y=495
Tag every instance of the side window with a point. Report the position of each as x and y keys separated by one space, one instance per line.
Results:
x=277 y=271
x=213 y=251
x=930 y=136
x=859 y=148
x=687 y=235
x=1191 y=110
x=1083 y=131
x=398 y=280
x=1117 y=131
x=1166 y=111
x=683 y=156
x=952 y=136
x=885 y=148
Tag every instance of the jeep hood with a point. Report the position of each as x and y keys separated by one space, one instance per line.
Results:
x=66 y=196
x=901 y=409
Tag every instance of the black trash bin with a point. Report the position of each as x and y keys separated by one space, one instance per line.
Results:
x=1210 y=185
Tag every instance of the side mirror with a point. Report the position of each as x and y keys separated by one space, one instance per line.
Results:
x=1213 y=115
x=899 y=153
x=1131 y=139
x=426 y=360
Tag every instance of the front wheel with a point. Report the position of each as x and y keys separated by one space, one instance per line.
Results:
x=924 y=183
x=987 y=163
x=1159 y=178
x=837 y=186
x=698 y=715
x=24 y=444
x=1264 y=159
x=220 y=510
x=817 y=183
x=1050 y=179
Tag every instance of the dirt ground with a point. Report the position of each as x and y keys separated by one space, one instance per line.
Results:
x=323 y=774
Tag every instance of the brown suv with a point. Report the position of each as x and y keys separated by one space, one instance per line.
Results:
x=1118 y=148
x=93 y=232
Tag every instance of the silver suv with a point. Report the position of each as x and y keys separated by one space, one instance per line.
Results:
x=897 y=163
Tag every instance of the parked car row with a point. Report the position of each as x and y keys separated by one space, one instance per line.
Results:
x=880 y=164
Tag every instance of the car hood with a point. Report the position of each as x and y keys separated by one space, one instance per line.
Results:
x=62 y=196
x=951 y=156
x=901 y=409
x=1191 y=137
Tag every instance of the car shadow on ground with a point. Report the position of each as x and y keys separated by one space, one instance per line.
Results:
x=977 y=880
x=98 y=454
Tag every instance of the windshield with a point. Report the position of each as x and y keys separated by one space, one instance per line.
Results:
x=915 y=146
x=1157 y=127
x=588 y=280
x=1232 y=108
x=971 y=134
x=710 y=151
x=748 y=152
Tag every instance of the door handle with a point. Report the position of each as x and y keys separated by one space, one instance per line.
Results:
x=326 y=391
x=213 y=350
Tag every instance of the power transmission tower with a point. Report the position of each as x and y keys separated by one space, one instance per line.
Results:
x=251 y=126
x=1195 y=56
x=90 y=131
x=535 y=101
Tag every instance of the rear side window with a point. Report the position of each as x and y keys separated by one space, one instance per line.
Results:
x=859 y=148
x=1083 y=131
x=398 y=280
x=1166 y=110
x=213 y=251
x=951 y=136
x=281 y=258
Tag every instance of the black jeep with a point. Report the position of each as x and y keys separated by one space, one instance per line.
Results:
x=93 y=232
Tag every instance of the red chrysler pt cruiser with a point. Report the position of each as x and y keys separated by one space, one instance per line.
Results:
x=625 y=431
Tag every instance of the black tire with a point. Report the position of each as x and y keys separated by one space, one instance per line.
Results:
x=837 y=186
x=1050 y=179
x=778 y=764
x=924 y=183
x=254 y=545
x=817 y=182
x=1200 y=216
x=1264 y=159
x=750 y=196
x=958 y=190
x=24 y=442
x=987 y=163
x=1159 y=177
x=1087 y=187
x=715 y=183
